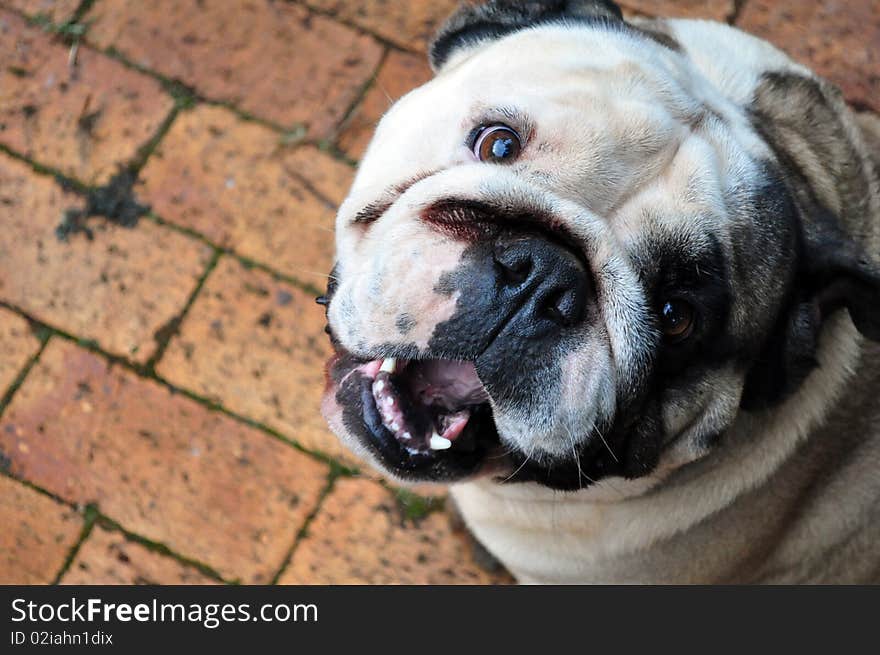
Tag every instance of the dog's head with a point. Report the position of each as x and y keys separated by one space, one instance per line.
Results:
x=567 y=252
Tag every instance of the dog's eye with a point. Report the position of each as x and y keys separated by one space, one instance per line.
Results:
x=497 y=144
x=677 y=320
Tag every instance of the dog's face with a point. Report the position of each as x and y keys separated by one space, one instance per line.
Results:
x=559 y=257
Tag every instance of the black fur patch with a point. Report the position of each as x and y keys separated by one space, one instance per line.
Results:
x=672 y=269
x=492 y=20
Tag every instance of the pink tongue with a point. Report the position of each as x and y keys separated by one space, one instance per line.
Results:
x=457 y=423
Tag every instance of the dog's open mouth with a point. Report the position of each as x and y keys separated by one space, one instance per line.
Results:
x=420 y=415
x=426 y=405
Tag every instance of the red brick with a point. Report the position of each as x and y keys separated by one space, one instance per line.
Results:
x=256 y=346
x=720 y=10
x=327 y=176
x=107 y=558
x=399 y=74
x=360 y=537
x=37 y=534
x=56 y=10
x=408 y=24
x=273 y=59
x=839 y=40
x=118 y=288
x=17 y=345
x=231 y=181
x=84 y=121
x=161 y=465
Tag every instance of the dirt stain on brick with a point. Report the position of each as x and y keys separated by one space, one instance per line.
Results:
x=167 y=331
x=86 y=122
x=83 y=389
x=115 y=201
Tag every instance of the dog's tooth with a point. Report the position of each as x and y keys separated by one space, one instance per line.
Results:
x=439 y=443
x=395 y=426
x=389 y=401
x=380 y=385
x=407 y=436
x=389 y=365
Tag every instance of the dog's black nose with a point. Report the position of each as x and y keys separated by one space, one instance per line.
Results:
x=542 y=286
x=516 y=292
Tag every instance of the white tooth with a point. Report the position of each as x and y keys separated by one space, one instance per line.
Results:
x=407 y=435
x=389 y=365
x=389 y=401
x=439 y=443
x=380 y=385
x=395 y=426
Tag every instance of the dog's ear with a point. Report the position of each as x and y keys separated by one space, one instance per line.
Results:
x=824 y=180
x=842 y=276
x=834 y=274
x=473 y=24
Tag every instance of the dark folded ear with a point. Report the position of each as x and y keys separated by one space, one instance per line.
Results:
x=806 y=122
x=844 y=277
x=835 y=274
x=472 y=24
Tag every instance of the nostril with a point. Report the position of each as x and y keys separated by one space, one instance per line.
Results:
x=514 y=275
x=514 y=265
x=563 y=306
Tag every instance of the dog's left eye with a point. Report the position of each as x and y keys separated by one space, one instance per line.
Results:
x=677 y=318
x=497 y=144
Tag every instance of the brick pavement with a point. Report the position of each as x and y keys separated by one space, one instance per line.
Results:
x=159 y=382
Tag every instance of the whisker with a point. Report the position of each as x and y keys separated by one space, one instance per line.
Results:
x=326 y=276
x=525 y=461
x=577 y=460
x=605 y=481
x=319 y=225
x=602 y=437
x=501 y=455
x=323 y=276
x=385 y=92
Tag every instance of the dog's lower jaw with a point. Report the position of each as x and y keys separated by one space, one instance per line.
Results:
x=729 y=517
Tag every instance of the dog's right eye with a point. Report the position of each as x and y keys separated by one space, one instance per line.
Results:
x=498 y=144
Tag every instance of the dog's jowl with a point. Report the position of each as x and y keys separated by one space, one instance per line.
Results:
x=616 y=283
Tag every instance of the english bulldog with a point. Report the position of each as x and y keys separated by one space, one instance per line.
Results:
x=616 y=283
